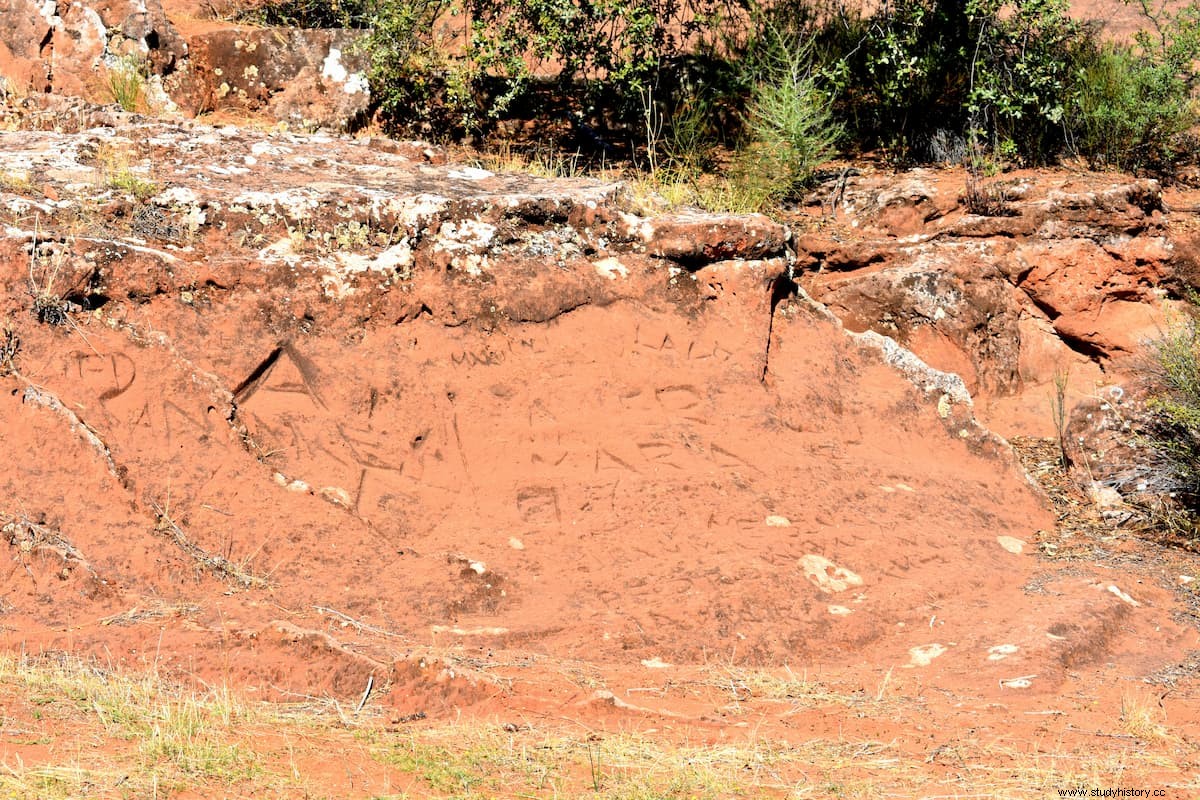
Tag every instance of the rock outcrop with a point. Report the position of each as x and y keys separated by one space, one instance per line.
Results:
x=1070 y=269
x=68 y=48
x=308 y=79
x=285 y=407
x=487 y=408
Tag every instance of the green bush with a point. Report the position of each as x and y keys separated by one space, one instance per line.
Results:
x=1134 y=103
x=416 y=80
x=584 y=45
x=917 y=71
x=310 y=14
x=993 y=81
x=1018 y=78
x=789 y=126
x=900 y=73
x=1126 y=115
x=1173 y=434
x=607 y=54
x=1020 y=75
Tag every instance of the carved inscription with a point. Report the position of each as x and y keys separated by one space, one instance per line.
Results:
x=375 y=459
x=107 y=378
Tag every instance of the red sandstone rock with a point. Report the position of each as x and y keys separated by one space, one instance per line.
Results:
x=307 y=78
x=1083 y=261
x=457 y=403
x=699 y=238
x=67 y=47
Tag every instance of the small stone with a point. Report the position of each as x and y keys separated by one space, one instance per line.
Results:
x=944 y=405
x=611 y=268
x=1011 y=544
x=776 y=521
x=826 y=575
x=1120 y=595
x=1105 y=497
x=1018 y=683
x=924 y=655
x=1001 y=651
x=337 y=495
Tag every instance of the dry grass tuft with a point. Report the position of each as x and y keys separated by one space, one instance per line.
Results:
x=1142 y=718
x=117 y=172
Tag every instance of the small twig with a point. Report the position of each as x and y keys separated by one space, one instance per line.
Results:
x=358 y=624
x=1072 y=728
x=221 y=566
x=78 y=330
x=140 y=613
x=100 y=713
x=30 y=536
x=366 y=693
x=883 y=686
x=840 y=192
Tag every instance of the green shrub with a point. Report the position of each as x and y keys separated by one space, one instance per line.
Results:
x=608 y=54
x=1020 y=74
x=582 y=44
x=900 y=74
x=126 y=81
x=991 y=82
x=1134 y=103
x=416 y=81
x=1128 y=114
x=1020 y=79
x=310 y=14
x=1173 y=434
x=789 y=126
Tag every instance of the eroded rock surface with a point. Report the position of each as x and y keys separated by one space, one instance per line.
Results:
x=306 y=78
x=1073 y=269
x=289 y=406
x=68 y=48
